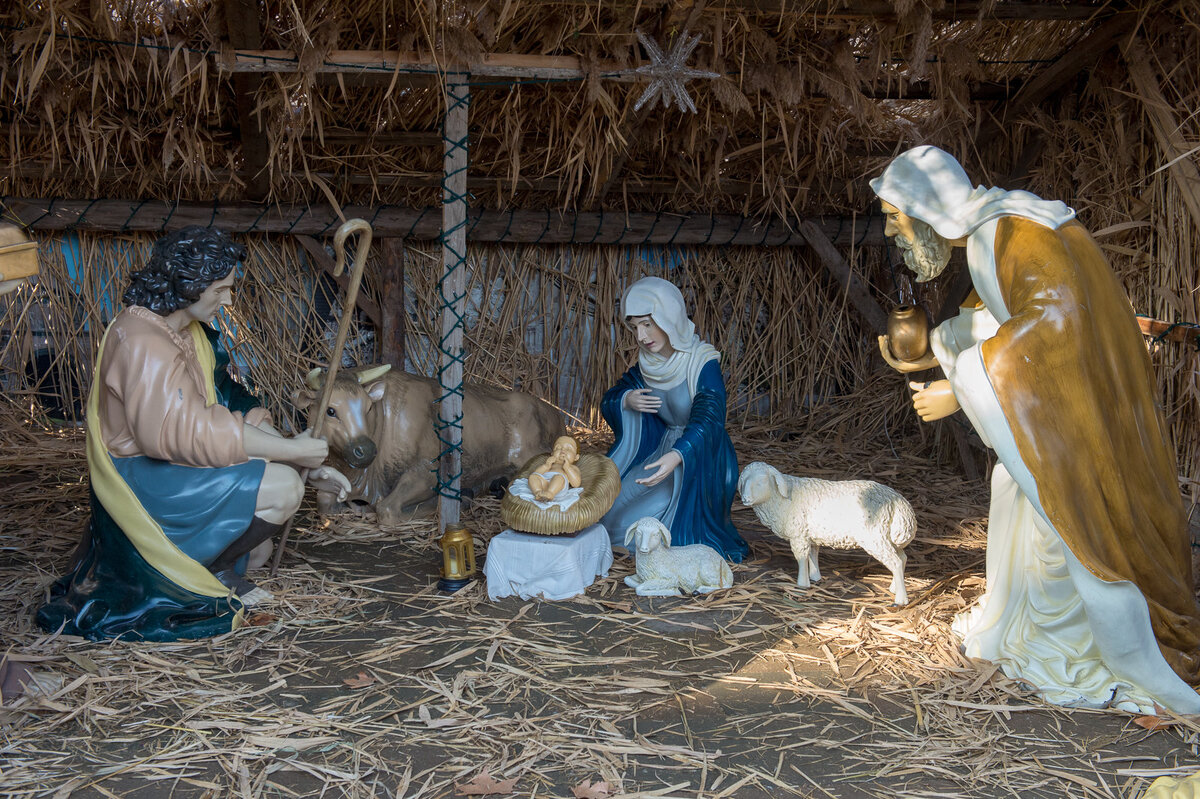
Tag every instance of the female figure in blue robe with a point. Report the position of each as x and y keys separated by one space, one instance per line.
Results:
x=676 y=461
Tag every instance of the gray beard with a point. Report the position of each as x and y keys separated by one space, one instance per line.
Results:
x=928 y=254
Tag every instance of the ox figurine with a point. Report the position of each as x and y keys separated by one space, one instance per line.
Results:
x=380 y=429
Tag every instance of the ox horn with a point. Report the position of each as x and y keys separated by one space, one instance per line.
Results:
x=373 y=373
x=313 y=380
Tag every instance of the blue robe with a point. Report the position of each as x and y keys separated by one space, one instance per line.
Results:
x=706 y=481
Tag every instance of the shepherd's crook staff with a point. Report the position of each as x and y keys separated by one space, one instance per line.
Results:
x=335 y=357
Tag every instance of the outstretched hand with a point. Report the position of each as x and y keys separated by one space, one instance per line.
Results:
x=928 y=361
x=643 y=400
x=329 y=479
x=934 y=399
x=663 y=467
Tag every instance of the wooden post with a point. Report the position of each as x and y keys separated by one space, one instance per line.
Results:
x=243 y=26
x=394 y=317
x=452 y=293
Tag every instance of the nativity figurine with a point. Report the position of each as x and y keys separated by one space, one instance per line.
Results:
x=810 y=513
x=667 y=414
x=189 y=479
x=664 y=570
x=557 y=472
x=381 y=425
x=1090 y=596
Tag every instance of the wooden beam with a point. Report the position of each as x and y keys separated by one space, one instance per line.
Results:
x=426 y=138
x=856 y=291
x=414 y=64
x=1184 y=332
x=1174 y=148
x=533 y=227
x=475 y=183
x=977 y=91
x=379 y=67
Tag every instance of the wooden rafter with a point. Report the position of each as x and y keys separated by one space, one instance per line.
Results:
x=324 y=260
x=477 y=183
x=380 y=66
x=856 y=291
x=410 y=63
x=977 y=91
x=546 y=227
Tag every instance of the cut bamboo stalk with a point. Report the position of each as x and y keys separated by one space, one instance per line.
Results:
x=1171 y=143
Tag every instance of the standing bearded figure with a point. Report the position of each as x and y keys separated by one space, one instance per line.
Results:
x=1089 y=587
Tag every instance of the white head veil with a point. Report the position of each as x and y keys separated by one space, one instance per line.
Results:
x=928 y=184
x=663 y=303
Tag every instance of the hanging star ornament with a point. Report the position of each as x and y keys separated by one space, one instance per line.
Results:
x=669 y=73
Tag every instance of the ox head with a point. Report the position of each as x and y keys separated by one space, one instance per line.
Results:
x=345 y=426
x=757 y=481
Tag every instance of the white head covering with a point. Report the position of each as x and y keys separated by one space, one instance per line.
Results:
x=663 y=303
x=928 y=184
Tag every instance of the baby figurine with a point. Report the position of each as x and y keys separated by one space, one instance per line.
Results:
x=558 y=471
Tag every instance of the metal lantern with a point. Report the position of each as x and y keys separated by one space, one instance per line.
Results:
x=458 y=558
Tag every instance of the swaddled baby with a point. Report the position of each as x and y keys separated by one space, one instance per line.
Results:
x=557 y=472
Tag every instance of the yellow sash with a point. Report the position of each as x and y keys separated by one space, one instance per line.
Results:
x=123 y=506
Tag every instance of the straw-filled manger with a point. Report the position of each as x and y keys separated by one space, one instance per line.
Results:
x=362 y=680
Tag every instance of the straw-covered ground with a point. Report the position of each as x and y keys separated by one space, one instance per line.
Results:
x=363 y=680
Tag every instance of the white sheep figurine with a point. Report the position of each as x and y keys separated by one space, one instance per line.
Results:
x=663 y=570
x=807 y=513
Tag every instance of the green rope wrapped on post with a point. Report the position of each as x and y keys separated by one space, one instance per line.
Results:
x=451 y=290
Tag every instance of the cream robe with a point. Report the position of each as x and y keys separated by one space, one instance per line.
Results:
x=1047 y=618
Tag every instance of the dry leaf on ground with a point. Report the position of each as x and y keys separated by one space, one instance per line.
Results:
x=484 y=783
x=587 y=790
x=360 y=680
x=1153 y=723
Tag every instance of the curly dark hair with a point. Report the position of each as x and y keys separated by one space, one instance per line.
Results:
x=182 y=265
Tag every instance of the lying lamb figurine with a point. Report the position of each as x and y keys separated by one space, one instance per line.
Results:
x=807 y=512
x=666 y=571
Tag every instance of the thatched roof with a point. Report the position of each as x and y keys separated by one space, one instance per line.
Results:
x=148 y=100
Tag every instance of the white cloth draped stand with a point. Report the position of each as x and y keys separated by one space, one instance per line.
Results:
x=554 y=567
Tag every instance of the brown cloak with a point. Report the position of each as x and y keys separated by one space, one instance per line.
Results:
x=1071 y=372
